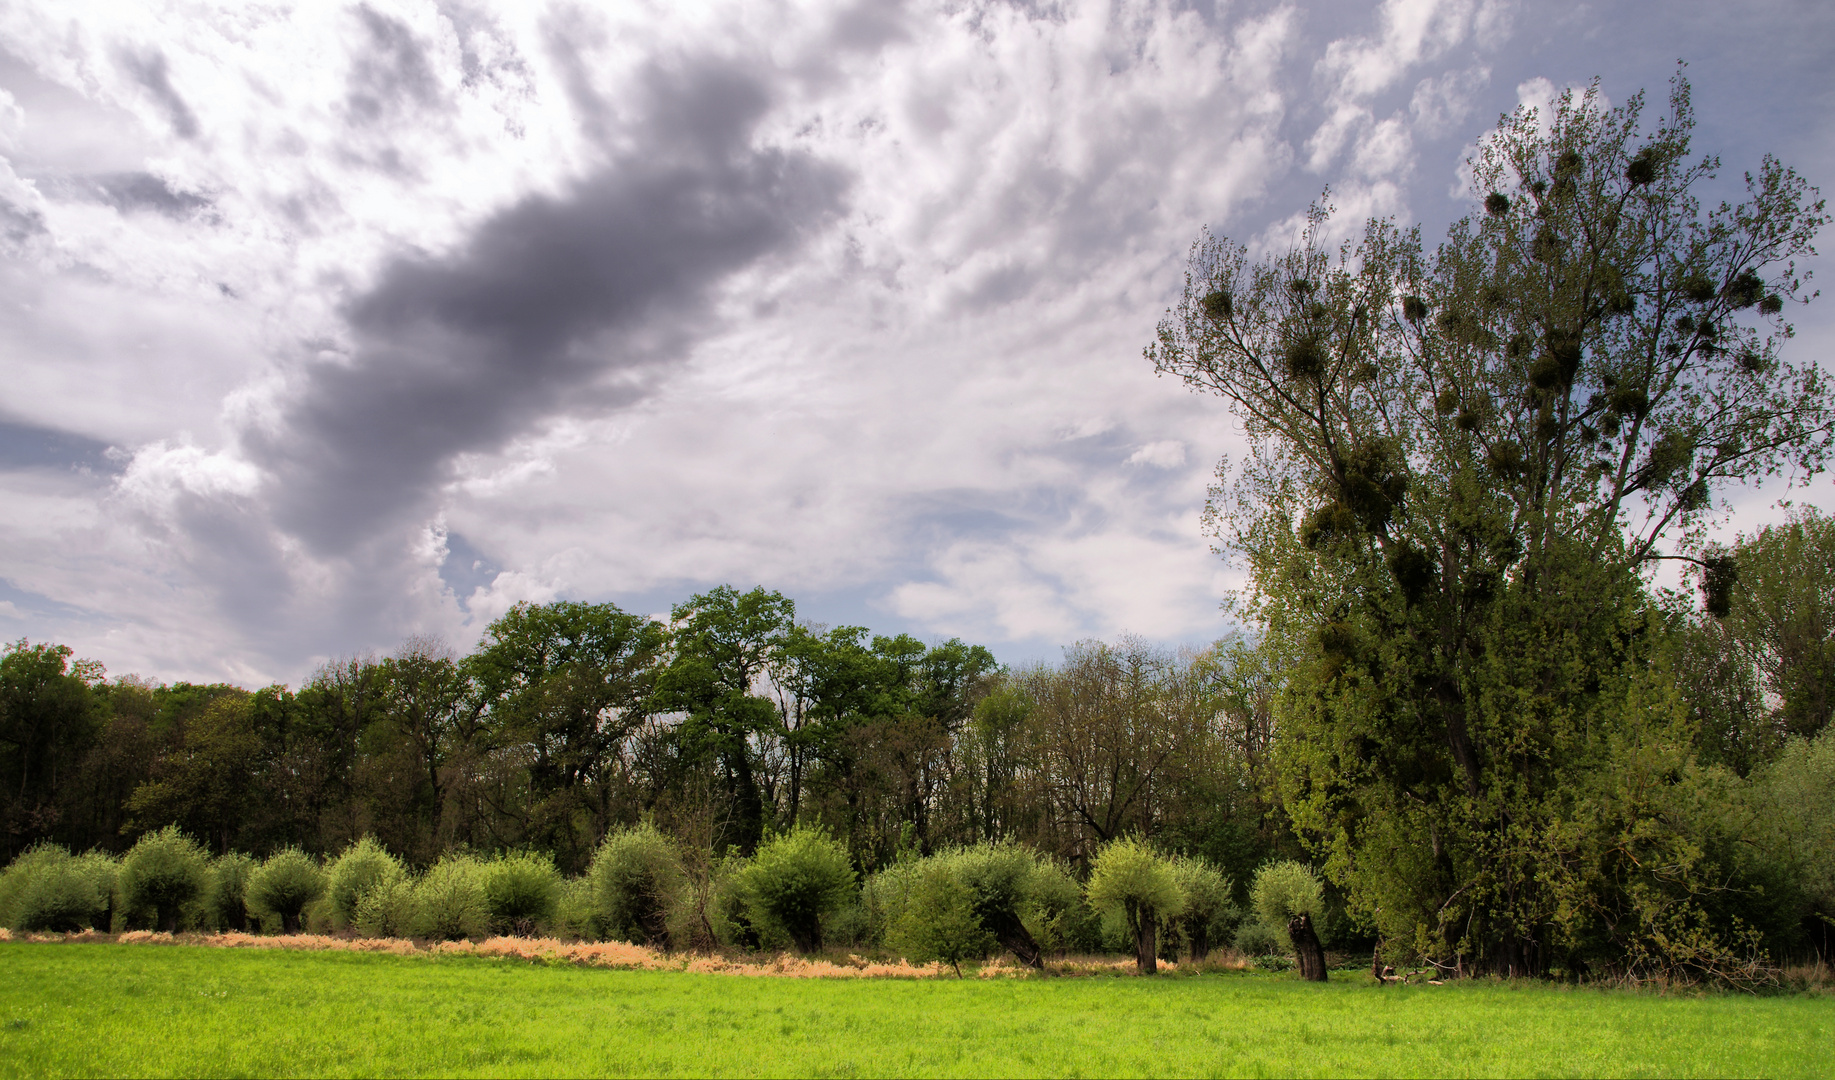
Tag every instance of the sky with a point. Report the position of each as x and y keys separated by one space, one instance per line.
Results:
x=324 y=325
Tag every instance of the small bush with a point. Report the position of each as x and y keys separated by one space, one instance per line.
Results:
x=47 y=888
x=165 y=873
x=226 y=896
x=1254 y=938
x=520 y=891
x=103 y=870
x=280 y=888
x=637 y=878
x=1282 y=891
x=363 y=866
x=883 y=899
x=795 y=882
x=386 y=909
x=449 y=901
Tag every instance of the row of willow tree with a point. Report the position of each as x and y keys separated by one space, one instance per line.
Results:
x=732 y=721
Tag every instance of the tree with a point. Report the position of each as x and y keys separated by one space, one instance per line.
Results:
x=48 y=721
x=569 y=682
x=1781 y=607
x=720 y=645
x=206 y=783
x=431 y=703
x=1460 y=463
x=1131 y=880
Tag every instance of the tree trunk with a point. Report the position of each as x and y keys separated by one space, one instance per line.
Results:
x=1307 y=952
x=1147 y=944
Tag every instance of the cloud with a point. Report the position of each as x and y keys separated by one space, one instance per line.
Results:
x=554 y=304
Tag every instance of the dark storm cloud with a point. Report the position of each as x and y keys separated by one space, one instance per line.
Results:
x=542 y=309
x=149 y=70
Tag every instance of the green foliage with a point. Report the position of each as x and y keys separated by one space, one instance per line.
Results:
x=1257 y=938
x=164 y=873
x=1447 y=524
x=1283 y=891
x=47 y=888
x=520 y=891
x=363 y=866
x=225 y=904
x=637 y=879
x=387 y=909
x=1056 y=914
x=1130 y=880
x=939 y=921
x=449 y=900
x=282 y=886
x=794 y=882
x=575 y=915
x=1208 y=910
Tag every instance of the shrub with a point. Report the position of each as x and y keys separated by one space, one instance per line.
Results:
x=939 y=920
x=636 y=878
x=449 y=901
x=164 y=873
x=47 y=888
x=794 y=882
x=1254 y=938
x=574 y=914
x=1000 y=878
x=103 y=870
x=387 y=908
x=520 y=891
x=1130 y=879
x=1057 y=916
x=280 y=888
x=363 y=866
x=1207 y=903
x=883 y=899
x=1285 y=890
x=226 y=896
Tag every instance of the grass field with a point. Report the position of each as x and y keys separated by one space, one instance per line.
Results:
x=114 y=1010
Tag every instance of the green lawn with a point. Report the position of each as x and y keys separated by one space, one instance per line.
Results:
x=110 y=1010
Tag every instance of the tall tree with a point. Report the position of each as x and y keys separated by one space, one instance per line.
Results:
x=1461 y=461
x=49 y=719
x=720 y=646
x=568 y=683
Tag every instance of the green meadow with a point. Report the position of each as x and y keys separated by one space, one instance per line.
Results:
x=111 y=1010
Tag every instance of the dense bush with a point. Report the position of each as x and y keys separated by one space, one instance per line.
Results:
x=636 y=880
x=794 y=882
x=1254 y=938
x=1137 y=884
x=1208 y=910
x=1058 y=916
x=574 y=914
x=280 y=888
x=938 y=920
x=363 y=866
x=47 y=888
x=226 y=897
x=520 y=892
x=163 y=874
x=1283 y=891
x=386 y=909
x=1000 y=879
x=449 y=900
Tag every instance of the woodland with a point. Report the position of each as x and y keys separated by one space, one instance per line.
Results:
x=1462 y=725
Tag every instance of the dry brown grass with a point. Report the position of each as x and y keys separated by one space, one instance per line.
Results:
x=604 y=954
